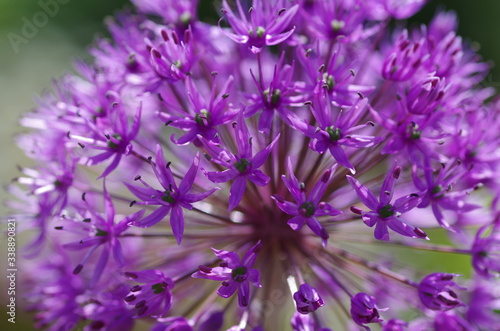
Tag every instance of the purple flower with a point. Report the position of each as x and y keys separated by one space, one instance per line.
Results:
x=385 y=214
x=111 y=137
x=364 y=310
x=240 y=168
x=485 y=252
x=234 y=273
x=337 y=20
x=52 y=180
x=275 y=98
x=154 y=297
x=173 y=199
x=405 y=58
x=203 y=116
x=265 y=27
x=335 y=77
x=307 y=299
x=426 y=95
x=171 y=58
x=305 y=210
x=336 y=134
x=435 y=292
x=102 y=231
x=436 y=191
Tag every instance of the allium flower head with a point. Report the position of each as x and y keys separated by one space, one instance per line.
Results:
x=263 y=173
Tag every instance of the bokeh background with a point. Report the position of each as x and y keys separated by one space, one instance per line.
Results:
x=27 y=68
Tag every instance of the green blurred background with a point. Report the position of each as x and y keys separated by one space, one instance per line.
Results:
x=51 y=50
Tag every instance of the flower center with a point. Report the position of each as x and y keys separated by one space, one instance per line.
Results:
x=242 y=165
x=329 y=81
x=437 y=189
x=203 y=117
x=334 y=133
x=101 y=233
x=239 y=274
x=168 y=197
x=386 y=211
x=113 y=145
x=337 y=25
x=159 y=287
x=307 y=209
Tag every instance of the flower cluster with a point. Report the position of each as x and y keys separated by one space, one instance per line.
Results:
x=181 y=140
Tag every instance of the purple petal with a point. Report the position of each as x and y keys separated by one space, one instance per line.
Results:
x=143 y=193
x=108 y=205
x=217 y=273
x=190 y=176
x=283 y=20
x=265 y=120
x=243 y=294
x=381 y=231
x=258 y=178
x=317 y=228
x=163 y=174
x=363 y=193
x=221 y=176
x=402 y=228
x=136 y=124
x=112 y=166
x=406 y=203
x=193 y=197
x=177 y=223
x=320 y=187
x=125 y=223
x=254 y=277
x=440 y=217
x=286 y=206
x=145 y=276
x=297 y=222
x=99 y=268
x=243 y=138
x=371 y=218
x=325 y=209
x=85 y=243
x=227 y=291
x=118 y=253
x=231 y=258
x=153 y=218
x=339 y=154
x=236 y=192
x=93 y=160
x=261 y=156
x=388 y=186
